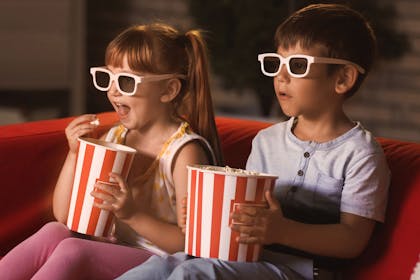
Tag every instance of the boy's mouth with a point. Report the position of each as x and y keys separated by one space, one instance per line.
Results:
x=282 y=96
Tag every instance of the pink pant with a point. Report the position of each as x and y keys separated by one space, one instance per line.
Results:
x=52 y=253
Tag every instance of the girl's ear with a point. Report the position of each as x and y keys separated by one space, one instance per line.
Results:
x=173 y=89
x=346 y=78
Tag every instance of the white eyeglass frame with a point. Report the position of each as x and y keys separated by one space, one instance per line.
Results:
x=137 y=79
x=310 y=59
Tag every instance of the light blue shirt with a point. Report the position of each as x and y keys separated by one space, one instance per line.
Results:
x=317 y=181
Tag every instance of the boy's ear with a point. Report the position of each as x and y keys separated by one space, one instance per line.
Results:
x=346 y=79
x=173 y=88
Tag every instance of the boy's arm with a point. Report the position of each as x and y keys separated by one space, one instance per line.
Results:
x=346 y=239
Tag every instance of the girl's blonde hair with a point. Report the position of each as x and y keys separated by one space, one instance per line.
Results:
x=160 y=49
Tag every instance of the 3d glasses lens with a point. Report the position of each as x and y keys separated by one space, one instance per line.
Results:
x=126 y=84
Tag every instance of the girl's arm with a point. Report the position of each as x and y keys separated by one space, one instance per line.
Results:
x=62 y=191
x=61 y=198
x=167 y=236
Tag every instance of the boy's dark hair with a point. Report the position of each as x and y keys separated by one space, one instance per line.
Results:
x=344 y=32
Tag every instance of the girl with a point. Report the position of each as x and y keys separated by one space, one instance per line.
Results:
x=157 y=81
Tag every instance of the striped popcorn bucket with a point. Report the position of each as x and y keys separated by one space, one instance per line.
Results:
x=213 y=192
x=95 y=160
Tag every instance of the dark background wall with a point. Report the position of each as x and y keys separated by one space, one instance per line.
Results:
x=47 y=47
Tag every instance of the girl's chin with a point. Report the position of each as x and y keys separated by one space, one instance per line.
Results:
x=126 y=122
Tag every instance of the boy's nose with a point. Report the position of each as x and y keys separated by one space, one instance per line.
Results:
x=283 y=75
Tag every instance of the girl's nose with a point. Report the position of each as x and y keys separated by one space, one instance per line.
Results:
x=113 y=89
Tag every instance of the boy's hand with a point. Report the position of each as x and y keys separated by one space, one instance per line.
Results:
x=258 y=224
x=80 y=126
x=115 y=197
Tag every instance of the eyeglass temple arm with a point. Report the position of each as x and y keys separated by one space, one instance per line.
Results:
x=163 y=77
x=339 y=61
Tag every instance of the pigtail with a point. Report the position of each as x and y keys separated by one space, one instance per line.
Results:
x=199 y=104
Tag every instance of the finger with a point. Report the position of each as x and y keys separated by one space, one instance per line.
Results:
x=257 y=222
x=184 y=202
x=104 y=206
x=248 y=240
x=237 y=218
x=82 y=119
x=81 y=122
x=251 y=210
x=248 y=234
x=119 y=180
x=183 y=224
x=243 y=219
x=273 y=204
x=81 y=130
x=184 y=206
x=109 y=188
x=102 y=197
x=252 y=230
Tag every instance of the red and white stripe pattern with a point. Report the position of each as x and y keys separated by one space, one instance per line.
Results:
x=95 y=160
x=211 y=198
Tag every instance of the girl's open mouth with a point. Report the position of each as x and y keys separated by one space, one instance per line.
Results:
x=122 y=110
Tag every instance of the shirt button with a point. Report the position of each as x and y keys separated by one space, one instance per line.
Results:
x=306 y=154
x=300 y=173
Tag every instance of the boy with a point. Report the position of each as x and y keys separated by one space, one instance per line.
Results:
x=333 y=177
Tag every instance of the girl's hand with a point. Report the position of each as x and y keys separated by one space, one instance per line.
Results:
x=114 y=197
x=80 y=126
x=184 y=214
x=258 y=224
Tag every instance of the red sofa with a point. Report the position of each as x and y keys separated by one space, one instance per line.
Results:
x=31 y=155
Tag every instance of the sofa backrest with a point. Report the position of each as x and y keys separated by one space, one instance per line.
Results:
x=236 y=138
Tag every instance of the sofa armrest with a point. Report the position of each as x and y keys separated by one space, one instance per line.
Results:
x=394 y=247
x=31 y=156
